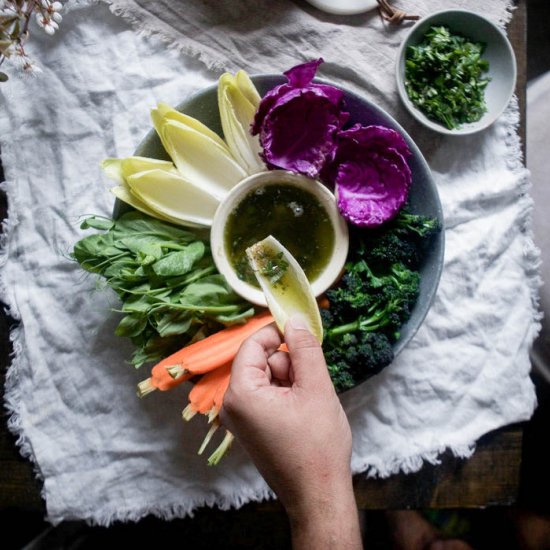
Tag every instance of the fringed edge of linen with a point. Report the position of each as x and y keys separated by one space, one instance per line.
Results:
x=134 y=15
x=172 y=510
x=12 y=392
x=532 y=262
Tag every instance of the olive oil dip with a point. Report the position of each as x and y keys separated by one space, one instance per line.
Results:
x=294 y=216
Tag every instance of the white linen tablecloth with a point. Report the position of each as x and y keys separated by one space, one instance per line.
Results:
x=538 y=135
x=103 y=454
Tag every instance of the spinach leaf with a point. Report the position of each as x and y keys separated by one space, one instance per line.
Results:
x=97 y=222
x=136 y=223
x=172 y=323
x=147 y=249
x=131 y=325
x=180 y=262
x=166 y=280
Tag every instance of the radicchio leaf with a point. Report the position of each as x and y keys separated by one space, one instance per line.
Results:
x=371 y=174
x=298 y=121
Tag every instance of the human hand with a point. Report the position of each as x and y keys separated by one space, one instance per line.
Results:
x=283 y=409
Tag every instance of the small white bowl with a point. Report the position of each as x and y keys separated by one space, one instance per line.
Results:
x=335 y=263
x=498 y=52
x=344 y=7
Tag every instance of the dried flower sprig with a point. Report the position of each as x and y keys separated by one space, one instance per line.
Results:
x=15 y=17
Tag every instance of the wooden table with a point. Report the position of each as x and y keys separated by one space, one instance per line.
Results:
x=490 y=477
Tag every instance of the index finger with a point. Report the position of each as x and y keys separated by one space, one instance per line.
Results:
x=253 y=354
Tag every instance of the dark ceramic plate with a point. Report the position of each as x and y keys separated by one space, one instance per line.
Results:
x=423 y=197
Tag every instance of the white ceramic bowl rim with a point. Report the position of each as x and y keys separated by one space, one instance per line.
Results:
x=335 y=263
x=489 y=117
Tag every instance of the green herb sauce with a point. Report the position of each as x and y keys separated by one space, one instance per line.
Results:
x=293 y=216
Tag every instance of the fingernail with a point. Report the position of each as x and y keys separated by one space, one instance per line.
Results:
x=297 y=322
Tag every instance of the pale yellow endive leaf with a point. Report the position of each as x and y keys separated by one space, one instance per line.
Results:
x=237 y=114
x=119 y=169
x=248 y=89
x=200 y=159
x=174 y=197
x=286 y=288
x=164 y=111
x=123 y=193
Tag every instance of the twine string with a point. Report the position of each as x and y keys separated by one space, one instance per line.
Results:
x=394 y=15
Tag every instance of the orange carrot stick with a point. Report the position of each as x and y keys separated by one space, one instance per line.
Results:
x=203 y=395
x=205 y=355
x=220 y=392
x=323 y=302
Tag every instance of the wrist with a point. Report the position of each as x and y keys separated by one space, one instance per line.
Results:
x=326 y=517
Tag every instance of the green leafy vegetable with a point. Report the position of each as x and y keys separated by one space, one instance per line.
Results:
x=165 y=278
x=445 y=77
x=374 y=298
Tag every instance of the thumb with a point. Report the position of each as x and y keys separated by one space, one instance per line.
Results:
x=306 y=355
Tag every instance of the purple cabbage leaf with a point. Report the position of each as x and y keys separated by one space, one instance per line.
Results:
x=370 y=174
x=297 y=122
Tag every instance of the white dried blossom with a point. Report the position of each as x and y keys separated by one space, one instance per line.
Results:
x=15 y=16
x=22 y=62
x=31 y=68
x=47 y=23
x=48 y=16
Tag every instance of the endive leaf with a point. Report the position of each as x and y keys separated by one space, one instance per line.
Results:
x=164 y=111
x=200 y=159
x=285 y=285
x=174 y=197
x=120 y=169
x=237 y=114
x=247 y=88
x=123 y=193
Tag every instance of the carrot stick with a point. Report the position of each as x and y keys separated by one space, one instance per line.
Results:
x=205 y=355
x=220 y=392
x=203 y=395
x=323 y=302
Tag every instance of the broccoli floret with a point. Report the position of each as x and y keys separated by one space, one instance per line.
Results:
x=401 y=240
x=353 y=291
x=353 y=357
x=400 y=294
x=374 y=298
x=381 y=302
x=390 y=248
x=327 y=318
x=340 y=376
x=423 y=226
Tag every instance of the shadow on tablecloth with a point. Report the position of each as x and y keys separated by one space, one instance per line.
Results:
x=538 y=162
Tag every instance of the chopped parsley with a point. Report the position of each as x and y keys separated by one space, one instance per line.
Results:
x=445 y=77
x=272 y=266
